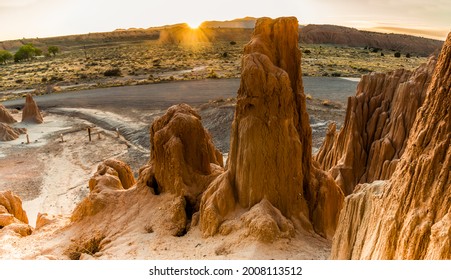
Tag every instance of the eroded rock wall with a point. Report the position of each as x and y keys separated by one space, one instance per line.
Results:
x=408 y=216
x=377 y=125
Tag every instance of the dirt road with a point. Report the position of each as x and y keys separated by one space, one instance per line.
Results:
x=161 y=96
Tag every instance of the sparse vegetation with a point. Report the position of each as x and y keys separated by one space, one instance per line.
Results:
x=151 y=62
x=53 y=50
x=115 y=72
x=5 y=56
x=26 y=52
x=397 y=54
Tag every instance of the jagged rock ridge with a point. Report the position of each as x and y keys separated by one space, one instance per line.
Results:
x=409 y=216
x=376 y=128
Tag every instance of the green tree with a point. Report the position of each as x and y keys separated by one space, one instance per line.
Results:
x=5 y=56
x=26 y=52
x=53 y=50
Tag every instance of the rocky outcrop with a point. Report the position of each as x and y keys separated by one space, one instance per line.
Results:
x=377 y=125
x=183 y=163
x=269 y=165
x=112 y=175
x=124 y=172
x=12 y=215
x=8 y=133
x=30 y=112
x=5 y=116
x=183 y=158
x=408 y=216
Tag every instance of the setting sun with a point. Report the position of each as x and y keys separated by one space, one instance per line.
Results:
x=194 y=24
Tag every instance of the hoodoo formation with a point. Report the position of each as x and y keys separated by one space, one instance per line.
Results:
x=5 y=116
x=409 y=216
x=30 y=112
x=183 y=158
x=269 y=166
x=376 y=128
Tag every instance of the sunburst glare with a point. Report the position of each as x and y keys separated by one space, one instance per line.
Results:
x=194 y=24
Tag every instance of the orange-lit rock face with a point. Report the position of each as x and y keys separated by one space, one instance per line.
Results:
x=183 y=157
x=270 y=153
x=12 y=215
x=377 y=125
x=408 y=216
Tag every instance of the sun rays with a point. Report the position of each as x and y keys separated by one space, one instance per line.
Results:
x=194 y=24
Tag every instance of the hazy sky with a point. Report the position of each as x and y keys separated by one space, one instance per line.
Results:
x=44 y=18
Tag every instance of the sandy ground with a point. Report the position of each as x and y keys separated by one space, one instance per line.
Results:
x=49 y=175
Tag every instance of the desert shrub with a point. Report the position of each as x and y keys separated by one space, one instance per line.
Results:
x=37 y=52
x=225 y=55
x=53 y=50
x=232 y=43
x=336 y=74
x=5 y=56
x=115 y=72
x=26 y=52
x=375 y=50
x=307 y=52
x=408 y=55
x=56 y=79
x=397 y=54
x=19 y=81
x=362 y=69
x=382 y=54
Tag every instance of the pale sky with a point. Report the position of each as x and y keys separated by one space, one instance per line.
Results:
x=46 y=18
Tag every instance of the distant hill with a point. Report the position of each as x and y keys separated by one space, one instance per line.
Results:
x=339 y=35
x=75 y=41
x=241 y=30
x=247 y=22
